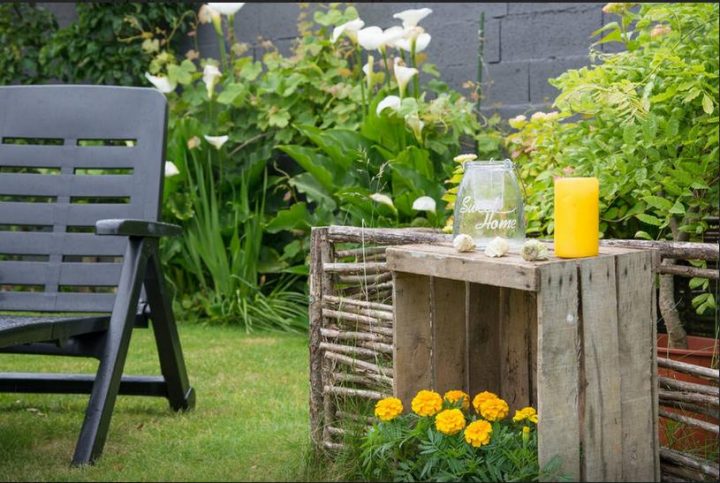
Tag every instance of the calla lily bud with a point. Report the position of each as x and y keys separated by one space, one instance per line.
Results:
x=216 y=141
x=161 y=83
x=424 y=203
x=403 y=75
x=171 y=169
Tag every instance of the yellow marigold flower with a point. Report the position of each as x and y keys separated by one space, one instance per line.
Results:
x=526 y=434
x=482 y=397
x=427 y=403
x=455 y=396
x=388 y=409
x=450 y=421
x=478 y=433
x=494 y=409
x=526 y=413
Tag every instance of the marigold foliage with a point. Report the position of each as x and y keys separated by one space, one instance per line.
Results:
x=388 y=409
x=450 y=421
x=427 y=403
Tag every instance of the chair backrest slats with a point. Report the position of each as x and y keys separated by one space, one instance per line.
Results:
x=70 y=156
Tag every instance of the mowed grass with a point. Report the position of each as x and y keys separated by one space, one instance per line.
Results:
x=250 y=423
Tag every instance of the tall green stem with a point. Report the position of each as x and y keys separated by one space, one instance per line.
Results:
x=413 y=63
x=358 y=66
x=231 y=34
x=387 y=69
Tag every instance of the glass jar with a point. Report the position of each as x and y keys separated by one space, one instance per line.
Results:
x=489 y=204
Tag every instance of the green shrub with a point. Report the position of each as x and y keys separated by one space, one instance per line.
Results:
x=24 y=29
x=106 y=43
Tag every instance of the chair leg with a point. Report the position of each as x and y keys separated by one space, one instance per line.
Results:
x=117 y=339
x=172 y=364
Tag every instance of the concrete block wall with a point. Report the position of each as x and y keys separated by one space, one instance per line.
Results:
x=525 y=43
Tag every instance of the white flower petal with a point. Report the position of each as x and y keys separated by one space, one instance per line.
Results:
x=411 y=17
x=161 y=83
x=392 y=102
x=351 y=28
x=403 y=74
x=226 y=8
x=211 y=74
x=216 y=141
x=392 y=35
x=463 y=158
x=384 y=199
x=371 y=38
x=170 y=169
x=422 y=42
x=414 y=123
x=424 y=203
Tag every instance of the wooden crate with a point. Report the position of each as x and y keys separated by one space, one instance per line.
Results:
x=574 y=338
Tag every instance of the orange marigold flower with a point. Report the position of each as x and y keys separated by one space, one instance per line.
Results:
x=427 y=403
x=478 y=433
x=388 y=409
x=494 y=409
x=482 y=397
x=450 y=421
x=455 y=396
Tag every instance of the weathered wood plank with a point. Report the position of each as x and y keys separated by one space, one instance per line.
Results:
x=483 y=340
x=412 y=335
x=518 y=313
x=558 y=429
x=448 y=334
x=601 y=420
x=635 y=291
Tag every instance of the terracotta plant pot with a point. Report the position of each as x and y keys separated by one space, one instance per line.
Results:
x=701 y=351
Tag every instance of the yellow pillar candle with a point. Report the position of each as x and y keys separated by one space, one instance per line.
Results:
x=577 y=217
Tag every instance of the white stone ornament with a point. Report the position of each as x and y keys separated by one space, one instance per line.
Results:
x=464 y=243
x=497 y=248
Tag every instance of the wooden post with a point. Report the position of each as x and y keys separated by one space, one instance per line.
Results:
x=318 y=238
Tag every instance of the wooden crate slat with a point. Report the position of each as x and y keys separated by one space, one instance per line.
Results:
x=559 y=426
x=601 y=417
x=635 y=292
x=518 y=314
x=412 y=333
x=483 y=339
x=448 y=329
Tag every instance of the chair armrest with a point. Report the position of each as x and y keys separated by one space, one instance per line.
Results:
x=141 y=228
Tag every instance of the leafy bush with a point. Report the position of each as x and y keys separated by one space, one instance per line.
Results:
x=247 y=230
x=644 y=121
x=24 y=29
x=443 y=440
x=106 y=43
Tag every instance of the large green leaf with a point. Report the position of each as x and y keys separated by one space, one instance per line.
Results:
x=342 y=145
x=312 y=161
x=297 y=217
x=307 y=184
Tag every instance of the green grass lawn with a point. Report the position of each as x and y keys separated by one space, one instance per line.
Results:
x=250 y=423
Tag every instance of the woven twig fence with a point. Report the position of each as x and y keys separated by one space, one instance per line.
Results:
x=351 y=336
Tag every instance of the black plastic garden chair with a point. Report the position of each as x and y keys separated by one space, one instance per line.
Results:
x=81 y=176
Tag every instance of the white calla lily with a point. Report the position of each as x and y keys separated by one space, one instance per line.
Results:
x=171 y=169
x=421 y=43
x=403 y=75
x=211 y=74
x=161 y=83
x=368 y=71
x=216 y=141
x=375 y=38
x=411 y=17
x=414 y=123
x=383 y=199
x=392 y=102
x=350 y=28
x=424 y=203
x=224 y=8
